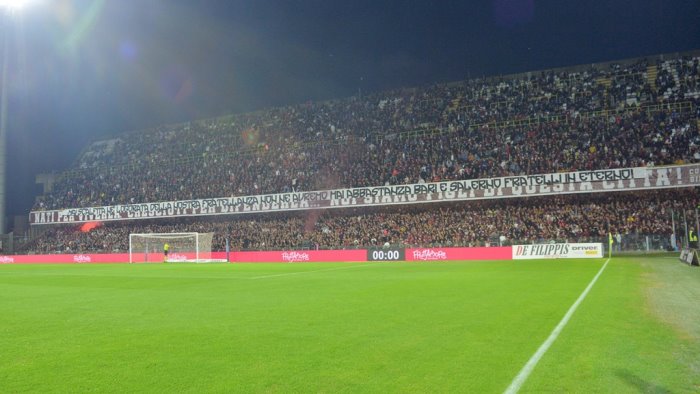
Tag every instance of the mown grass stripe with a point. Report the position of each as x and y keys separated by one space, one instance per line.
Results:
x=524 y=373
x=310 y=272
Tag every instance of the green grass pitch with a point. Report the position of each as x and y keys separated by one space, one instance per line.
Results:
x=360 y=327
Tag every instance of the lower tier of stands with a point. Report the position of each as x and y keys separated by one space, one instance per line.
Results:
x=637 y=217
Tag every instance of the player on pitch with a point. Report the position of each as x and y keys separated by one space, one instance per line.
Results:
x=166 y=248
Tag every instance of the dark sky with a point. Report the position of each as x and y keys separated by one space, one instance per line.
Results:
x=86 y=69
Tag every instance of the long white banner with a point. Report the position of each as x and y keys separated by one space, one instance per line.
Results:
x=558 y=251
x=620 y=179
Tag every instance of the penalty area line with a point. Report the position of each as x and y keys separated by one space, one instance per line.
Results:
x=524 y=373
x=310 y=272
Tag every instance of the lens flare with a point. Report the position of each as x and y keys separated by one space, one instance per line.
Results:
x=512 y=13
x=14 y=5
x=82 y=26
x=177 y=84
x=251 y=136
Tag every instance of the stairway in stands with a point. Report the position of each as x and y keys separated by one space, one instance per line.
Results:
x=652 y=72
x=452 y=107
x=606 y=82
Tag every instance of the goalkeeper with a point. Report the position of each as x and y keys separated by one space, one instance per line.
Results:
x=166 y=249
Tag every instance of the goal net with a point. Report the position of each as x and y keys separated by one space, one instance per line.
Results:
x=182 y=247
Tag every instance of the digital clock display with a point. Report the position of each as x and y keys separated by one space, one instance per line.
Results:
x=388 y=254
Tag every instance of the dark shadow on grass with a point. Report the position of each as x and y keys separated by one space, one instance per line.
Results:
x=640 y=384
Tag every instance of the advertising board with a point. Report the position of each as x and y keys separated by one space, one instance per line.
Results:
x=558 y=251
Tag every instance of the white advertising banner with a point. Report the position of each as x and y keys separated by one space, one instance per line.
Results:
x=620 y=179
x=558 y=251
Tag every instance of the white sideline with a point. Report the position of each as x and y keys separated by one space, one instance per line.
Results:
x=524 y=373
x=309 y=272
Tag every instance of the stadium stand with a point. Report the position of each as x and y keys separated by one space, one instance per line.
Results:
x=537 y=219
x=627 y=114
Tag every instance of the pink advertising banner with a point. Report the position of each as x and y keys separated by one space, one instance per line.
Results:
x=279 y=256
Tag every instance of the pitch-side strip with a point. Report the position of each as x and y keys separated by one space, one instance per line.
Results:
x=310 y=272
x=517 y=383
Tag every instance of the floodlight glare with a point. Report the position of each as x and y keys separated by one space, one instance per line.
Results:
x=14 y=5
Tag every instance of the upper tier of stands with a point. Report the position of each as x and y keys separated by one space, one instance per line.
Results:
x=637 y=114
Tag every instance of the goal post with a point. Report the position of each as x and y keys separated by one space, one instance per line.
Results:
x=182 y=247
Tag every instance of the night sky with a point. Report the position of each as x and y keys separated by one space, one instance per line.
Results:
x=81 y=70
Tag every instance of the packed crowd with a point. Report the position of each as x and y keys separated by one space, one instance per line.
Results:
x=602 y=117
x=564 y=218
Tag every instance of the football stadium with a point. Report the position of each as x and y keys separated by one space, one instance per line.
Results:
x=527 y=230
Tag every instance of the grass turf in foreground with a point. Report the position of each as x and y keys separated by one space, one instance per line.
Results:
x=342 y=327
x=625 y=336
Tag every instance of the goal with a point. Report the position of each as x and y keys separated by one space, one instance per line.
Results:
x=183 y=247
